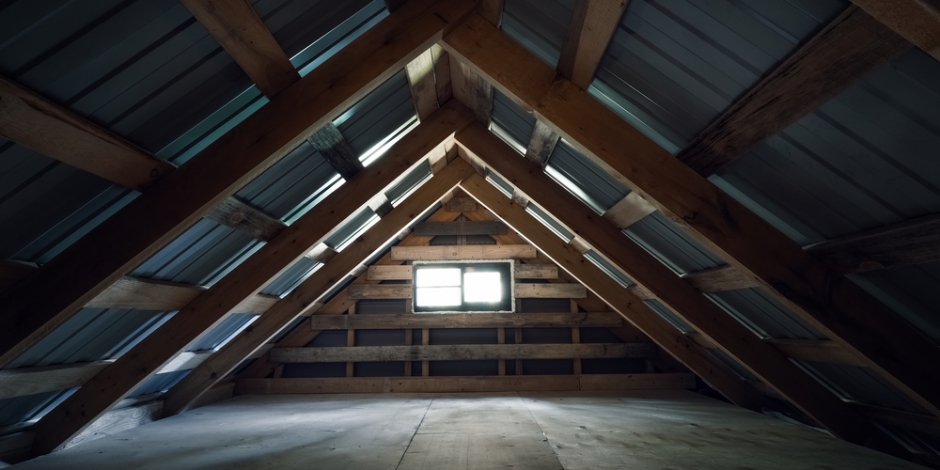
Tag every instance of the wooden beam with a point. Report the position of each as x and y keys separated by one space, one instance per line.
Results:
x=463 y=352
x=628 y=211
x=541 y=144
x=909 y=242
x=549 y=291
x=535 y=271
x=109 y=251
x=720 y=279
x=459 y=227
x=465 y=320
x=429 y=80
x=244 y=281
x=304 y=295
x=846 y=50
x=243 y=217
x=724 y=331
x=829 y=302
x=460 y=204
x=592 y=26
x=36 y=123
x=380 y=291
x=337 y=152
x=510 y=383
x=242 y=33
x=816 y=350
x=918 y=21
x=697 y=359
x=472 y=90
x=13 y=272
x=462 y=252
x=32 y=380
x=492 y=10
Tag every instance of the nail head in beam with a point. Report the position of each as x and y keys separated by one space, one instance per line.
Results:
x=336 y=150
x=247 y=219
x=824 y=298
x=242 y=33
x=40 y=125
x=593 y=24
x=850 y=47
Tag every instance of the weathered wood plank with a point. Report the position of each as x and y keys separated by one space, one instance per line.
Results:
x=816 y=351
x=550 y=291
x=459 y=227
x=32 y=380
x=535 y=271
x=492 y=10
x=824 y=298
x=460 y=204
x=245 y=218
x=628 y=211
x=380 y=291
x=725 y=332
x=45 y=300
x=720 y=279
x=472 y=90
x=593 y=23
x=909 y=242
x=304 y=295
x=404 y=272
x=337 y=152
x=846 y=50
x=510 y=383
x=242 y=33
x=918 y=21
x=465 y=320
x=463 y=352
x=541 y=144
x=36 y=123
x=421 y=81
x=462 y=252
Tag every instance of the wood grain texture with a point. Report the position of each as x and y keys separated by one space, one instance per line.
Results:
x=461 y=204
x=36 y=123
x=465 y=320
x=337 y=152
x=720 y=279
x=462 y=252
x=847 y=49
x=909 y=242
x=466 y=384
x=727 y=333
x=32 y=380
x=463 y=352
x=459 y=227
x=305 y=294
x=918 y=21
x=421 y=82
x=549 y=291
x=665 y=335
x=472 y=90
x=816 y=351
x=87 y=267
x=824 y=298
x=245 y=218
x=593 y=24
x=628 y=211
x=242 y=33
x=541 y=144
x=492 y=10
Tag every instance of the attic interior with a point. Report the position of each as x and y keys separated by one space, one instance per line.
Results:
x=479 y=234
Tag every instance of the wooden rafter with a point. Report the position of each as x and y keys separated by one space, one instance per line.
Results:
x=608 y=290
x=472 y=90
x=242 y=33
x=492 y=10
x=429 y=80
x=725 y=332
x=87 y=267
x=918 y=21
x=825 y=299
x=592 y=26
x=313 y=287
x=847 y=49
x=248 y=278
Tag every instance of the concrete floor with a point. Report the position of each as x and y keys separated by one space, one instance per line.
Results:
x=637 y=430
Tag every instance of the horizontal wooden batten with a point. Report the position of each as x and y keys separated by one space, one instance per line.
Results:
x=404 y=272
x=463 y=352
x=522 y=291
x=462 y=252
x=465 y=320
x=506 y=383
x=720 y=279
x=460 y=227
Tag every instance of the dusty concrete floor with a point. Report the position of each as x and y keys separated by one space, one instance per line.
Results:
x=636 y=430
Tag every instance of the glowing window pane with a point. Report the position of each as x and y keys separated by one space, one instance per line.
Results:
x=437 y=277
x=482 y=287
x=437 y=296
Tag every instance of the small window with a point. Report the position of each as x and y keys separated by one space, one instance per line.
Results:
x=463 y=287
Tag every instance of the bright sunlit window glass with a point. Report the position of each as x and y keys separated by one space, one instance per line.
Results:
x=482 y=287
x=437 y=287
x=437 y=277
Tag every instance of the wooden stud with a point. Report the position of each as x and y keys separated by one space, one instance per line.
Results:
x=517 y=339
x=835 y=306
x=593 y=24
x=720 y=279
x=350 y=342
x=501 y=339
x=846 y=50
x=46 y=300
x=242 y=33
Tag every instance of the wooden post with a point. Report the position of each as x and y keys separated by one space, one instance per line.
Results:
x=350 y=342
x=501 y=339
x=425 y=366
x=409 y=337
x=575 y=336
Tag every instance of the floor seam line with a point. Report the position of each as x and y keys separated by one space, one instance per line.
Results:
x=541 y=430
x=410 y=441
